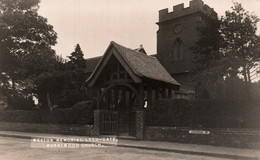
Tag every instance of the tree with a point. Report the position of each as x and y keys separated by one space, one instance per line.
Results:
x=206 y=50
x=208 y=71
x=50 y=84
x=74 y=89
x=238 y=29
x=76 y=60
x=226 y=48
x=25 y=44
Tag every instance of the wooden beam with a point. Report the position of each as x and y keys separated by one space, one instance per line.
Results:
x=117 y=81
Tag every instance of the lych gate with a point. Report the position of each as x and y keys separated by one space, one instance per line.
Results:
x=127 y=81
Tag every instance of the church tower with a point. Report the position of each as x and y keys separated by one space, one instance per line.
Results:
x=177 y=34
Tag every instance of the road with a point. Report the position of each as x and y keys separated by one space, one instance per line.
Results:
x=16 y=148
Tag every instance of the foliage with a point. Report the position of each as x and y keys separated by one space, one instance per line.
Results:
x=238 y=29
x=207 y=47
x=204 y=113
x=74 y=89
x=81 y=113
x=25 y=46
x=50 y=84
x=226 y=49
x=230 y=43
x=63 y=85
x=76 y=59
x=19 y=102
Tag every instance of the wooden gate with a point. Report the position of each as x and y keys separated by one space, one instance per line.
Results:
x=110 y=122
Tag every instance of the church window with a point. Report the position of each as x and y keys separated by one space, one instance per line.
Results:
x=178 y=53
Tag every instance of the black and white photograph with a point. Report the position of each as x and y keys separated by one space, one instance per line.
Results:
x=129 y=80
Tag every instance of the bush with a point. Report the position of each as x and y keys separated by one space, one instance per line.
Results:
x=204 y=113
x=22 y=116
x=81 y=113
x=19 y=102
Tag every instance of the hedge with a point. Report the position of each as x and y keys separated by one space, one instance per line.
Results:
x=204 y=113
x=81 y=113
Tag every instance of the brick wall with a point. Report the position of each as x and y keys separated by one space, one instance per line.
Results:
x=230 y=137
x=83 y=130
x=140 y=124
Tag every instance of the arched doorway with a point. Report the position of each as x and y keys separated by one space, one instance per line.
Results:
x=119 y=103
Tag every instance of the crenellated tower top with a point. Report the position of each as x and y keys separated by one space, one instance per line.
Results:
x=179 y=10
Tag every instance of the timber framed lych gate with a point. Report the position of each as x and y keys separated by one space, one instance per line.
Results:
x=124 y=80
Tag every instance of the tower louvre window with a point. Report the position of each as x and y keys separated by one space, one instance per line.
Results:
x=178 y=53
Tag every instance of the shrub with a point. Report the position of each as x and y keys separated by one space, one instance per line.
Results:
x=23 y=116
x=81 y=113
x=19 y=102
x=204 y=113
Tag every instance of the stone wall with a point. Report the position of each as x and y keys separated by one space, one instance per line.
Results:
x=82 y=130
x=238 y=137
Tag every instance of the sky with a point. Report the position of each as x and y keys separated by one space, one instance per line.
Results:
x=93 y=24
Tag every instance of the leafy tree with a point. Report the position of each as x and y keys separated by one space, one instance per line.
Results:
x=50 y=84
x=206 y=50
x=208 y=71
x=225 y=49
x=25 y=45
x=238 y=29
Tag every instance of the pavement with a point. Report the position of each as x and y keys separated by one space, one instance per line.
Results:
x=193 y=149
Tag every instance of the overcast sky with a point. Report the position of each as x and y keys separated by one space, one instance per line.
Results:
x=94 y=23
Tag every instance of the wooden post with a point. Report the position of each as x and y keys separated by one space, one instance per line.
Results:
x=141 y=94
x=163 y=92
x=130 y=99
x=99 y=97
x=156 y=93
x=123 y=98
x=116 y=98
x=150 y=96
x=118 y=71
x=169 y=93
x=108 y=98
